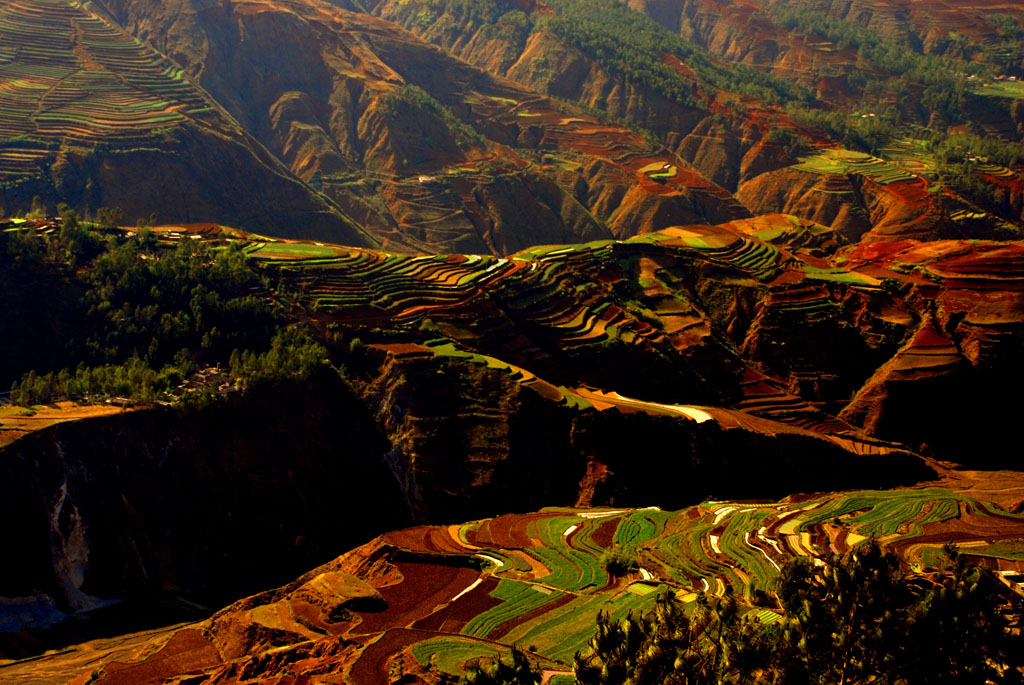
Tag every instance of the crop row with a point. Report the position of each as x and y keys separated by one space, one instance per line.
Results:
x=563 y=631
x=571 y=569
x=517 y=598
x=841 y=162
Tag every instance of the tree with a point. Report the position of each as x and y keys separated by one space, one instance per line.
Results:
x=848 y=620
x=501 y=672
x=844 y=618
x=859 y=619
x=711 y=645
x=958 y=631
x=109 y=217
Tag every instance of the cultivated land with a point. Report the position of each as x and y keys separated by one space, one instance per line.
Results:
x=558 y=331
x=425 y=601
x=707 y=284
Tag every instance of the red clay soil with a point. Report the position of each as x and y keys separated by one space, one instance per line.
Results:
x=425 y=539
x=374 y=663
x=424 y=587
x=187 y=652
x=605 y=533
x=505 y=532
x=456 y=615
x=1005 y=488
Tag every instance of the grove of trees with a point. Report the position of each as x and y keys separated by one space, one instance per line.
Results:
x=850 y=620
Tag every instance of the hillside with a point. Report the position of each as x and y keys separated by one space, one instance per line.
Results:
x=752 y=359
x=859 y=86
x=471 y=325
x=419 y=604
x=95 y=118
x=427 y=152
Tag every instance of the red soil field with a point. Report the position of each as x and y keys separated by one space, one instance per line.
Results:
x=187 y=652
x=456 y=615
x=425 y=586
x=508 y=532
x=372 y=665
x=605 y=533
x=426 y=539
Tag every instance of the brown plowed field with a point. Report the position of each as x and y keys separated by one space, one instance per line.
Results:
x=456 y=615
x=425 y=586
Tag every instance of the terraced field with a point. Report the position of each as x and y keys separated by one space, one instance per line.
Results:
x=583 y=299
x=834 y=162
x=79 y=80
x=1003 y=89
x=536 y=580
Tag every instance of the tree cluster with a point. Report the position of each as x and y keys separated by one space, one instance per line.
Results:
x=97 y=314
x=633 y=46
x=887 y=66
x=851 y=620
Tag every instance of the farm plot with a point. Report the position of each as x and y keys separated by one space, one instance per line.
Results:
x=571 y=569
x=560 y=633
x=452 y=654
x=1002 y=89
x=838 y=162
x=78 y=78
x=881 y=514
x=640 y=527
x=517 y=600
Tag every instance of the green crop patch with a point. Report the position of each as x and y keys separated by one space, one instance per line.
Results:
x=517 y=598
x=1002 y=89
x=840 y=162
x=451 y=654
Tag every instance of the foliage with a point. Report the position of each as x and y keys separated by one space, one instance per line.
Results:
x=419 y=99
x=474 y=11
x=668 y=646
x=961 y=157
x=842 y=619
x=793 y=145
x=1008 y=50
x=866 y=133
x=127 y=315
x=292 y=353
x=957 y=148
x=619 y=563
x=858 y=619
x=520 y=671
x=943 y=78
x=153 y=305
x=855 y=619
x=133 y=379
x=632 y=45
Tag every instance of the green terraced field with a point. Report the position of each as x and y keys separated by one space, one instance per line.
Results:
x=1003 y=89
x=517 y=598
x=293 y=249
x=451 y=654
x=840 y=162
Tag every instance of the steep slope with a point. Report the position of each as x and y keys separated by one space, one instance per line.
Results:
x=93 y=117
x=705 y=126
x=735 y=123
x=429 y=153
x=196 y=504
